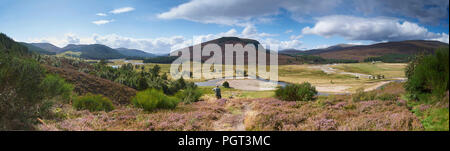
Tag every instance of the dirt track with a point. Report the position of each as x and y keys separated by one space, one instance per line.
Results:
x=234 y=119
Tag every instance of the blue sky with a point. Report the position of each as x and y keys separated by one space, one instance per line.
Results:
x=158 y=26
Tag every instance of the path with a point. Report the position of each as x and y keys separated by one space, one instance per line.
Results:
x=234 y=119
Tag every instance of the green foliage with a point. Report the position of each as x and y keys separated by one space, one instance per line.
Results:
x=142 y=80
x=152 y=99
x=93 y=103
x=309 y=59
x=161 y=59
x=9 y=46
x=24 y=95
x=189 y=95
x=428 y=74
x=226 y=84
x=53 y=85
x=436 y=120
x=296 y=92
x=390 y=58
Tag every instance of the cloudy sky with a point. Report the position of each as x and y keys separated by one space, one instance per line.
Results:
x=158 y=26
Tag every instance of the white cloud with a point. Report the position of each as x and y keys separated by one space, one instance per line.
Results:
x=293 y=37
x=288 y=31
x=235 y=12
x=373 y=29
x=122 y=10
x=102 y=22
x=238 y=12
x=163 y=44
x=443 y=37
x=101 y=14
x=290 y=44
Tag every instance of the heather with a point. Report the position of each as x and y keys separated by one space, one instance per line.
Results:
x=333 y=115
x=198 y=116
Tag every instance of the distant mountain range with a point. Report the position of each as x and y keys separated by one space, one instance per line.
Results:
x=33 y=48
x=47 y=46
x=135 y=53
x=93 y=51
x=288 y=56
x=361 y=52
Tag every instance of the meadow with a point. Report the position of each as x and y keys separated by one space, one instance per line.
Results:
x=340 y=80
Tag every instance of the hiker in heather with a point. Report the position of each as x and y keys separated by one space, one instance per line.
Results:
x=218 y=94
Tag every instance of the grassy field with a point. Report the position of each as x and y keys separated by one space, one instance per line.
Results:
x=390 y=70
x=324 y=82
x=235 y=93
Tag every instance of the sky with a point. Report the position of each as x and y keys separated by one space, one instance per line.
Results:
x=159 y=26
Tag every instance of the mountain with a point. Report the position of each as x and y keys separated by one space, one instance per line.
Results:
x=37 y=49
x=135 y=53
x=282 y=58
x=361 y=52
x=94 y=51
x=47 y=46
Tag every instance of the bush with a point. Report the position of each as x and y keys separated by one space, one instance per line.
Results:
x=189 y=95
x=296 y=92
x=152 y=99
x=20 y=94
x=428 y=75
x=93 y=103
x=53 y=85
x=226 y=84
x=25 y=90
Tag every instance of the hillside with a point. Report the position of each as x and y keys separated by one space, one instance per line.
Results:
x=94 y=51
x=282 y=58
x=37 y=49
x=134 y=53
x=361 y=52
x=47 y=46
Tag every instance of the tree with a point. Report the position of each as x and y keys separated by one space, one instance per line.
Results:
x=428 y=75
x=154 y=72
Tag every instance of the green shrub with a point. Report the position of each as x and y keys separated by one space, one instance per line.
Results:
x=53 y=85
x=20 y=95
x=226 y=84
x=296 y=92
x=152 y=99
x=189 y=95
x=428 y=74
x=93 y=103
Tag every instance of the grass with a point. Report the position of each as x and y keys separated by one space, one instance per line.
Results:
x=235 y=93
x=390 y=70
x=434 y=115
